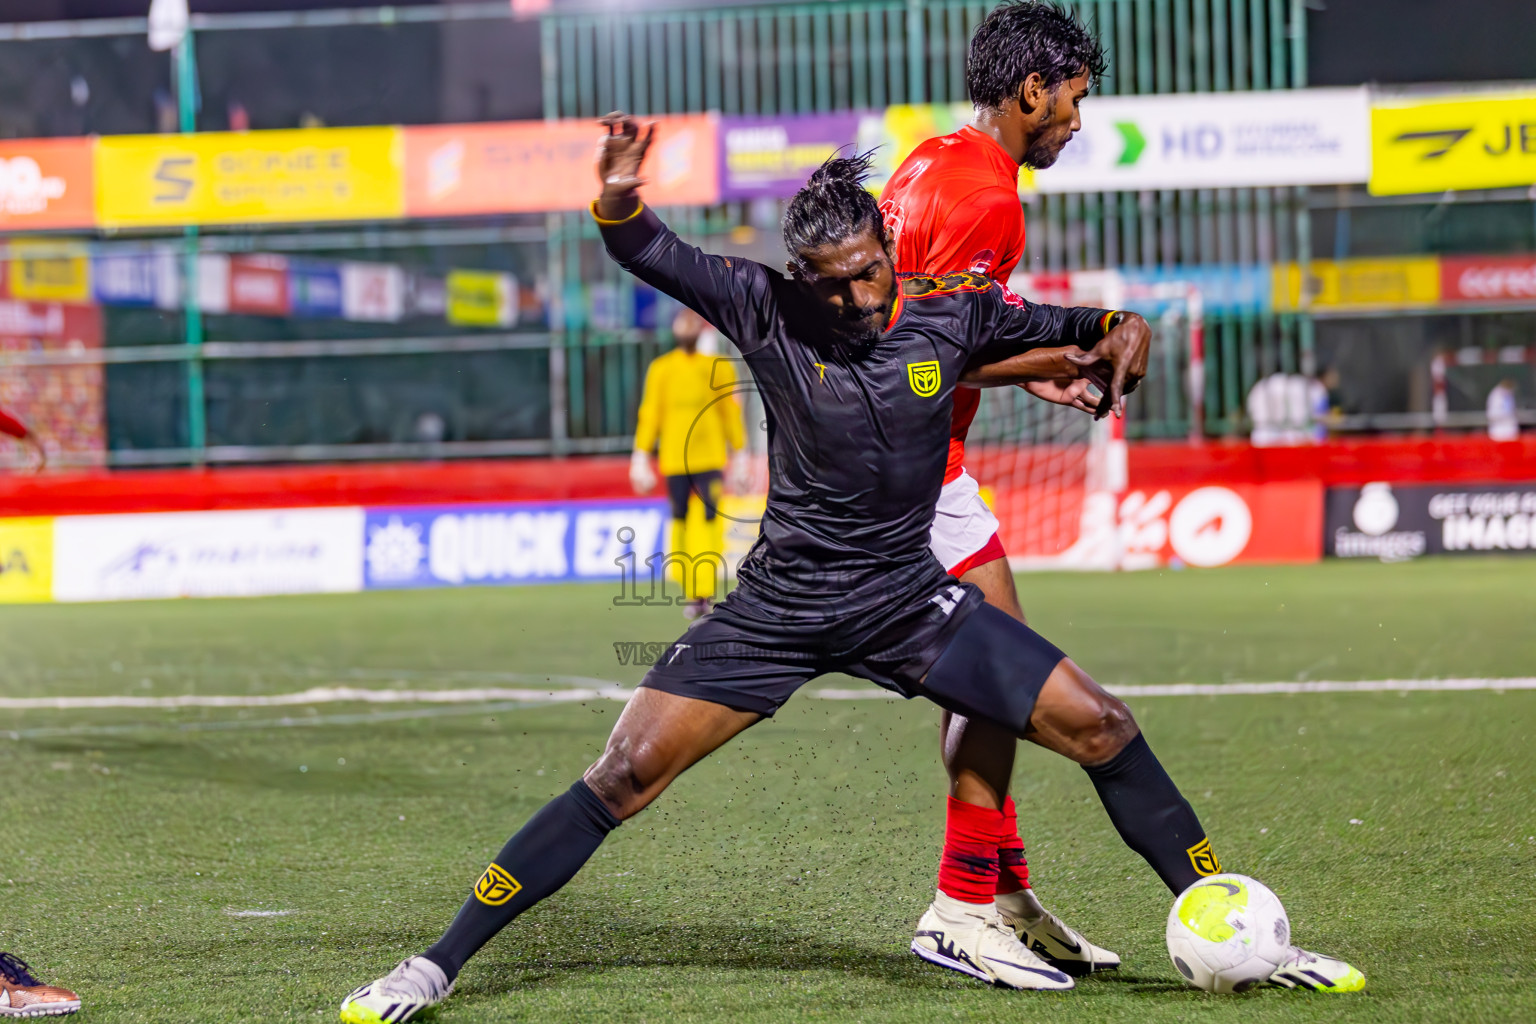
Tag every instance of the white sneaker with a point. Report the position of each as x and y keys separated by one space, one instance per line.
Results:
x=398 y=996
x=1049 y=937
x=1317 y=973
x=973 y=939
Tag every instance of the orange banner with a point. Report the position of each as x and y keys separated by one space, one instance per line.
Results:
x=533 y=166
x=46 y=183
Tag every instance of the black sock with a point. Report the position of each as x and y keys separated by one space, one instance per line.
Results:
x=1152 y=816
x=544 y=855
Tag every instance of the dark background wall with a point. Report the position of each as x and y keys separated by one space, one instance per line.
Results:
x=1405 y=41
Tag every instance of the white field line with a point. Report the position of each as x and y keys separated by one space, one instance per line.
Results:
x=613 y=691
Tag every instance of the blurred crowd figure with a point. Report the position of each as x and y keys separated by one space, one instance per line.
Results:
x=1503 y=412
x=1289 y=409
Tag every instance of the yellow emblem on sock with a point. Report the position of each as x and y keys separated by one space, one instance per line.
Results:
x=496 y=886
x=1204 y=858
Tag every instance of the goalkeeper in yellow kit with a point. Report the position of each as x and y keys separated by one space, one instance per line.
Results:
x=690 y=417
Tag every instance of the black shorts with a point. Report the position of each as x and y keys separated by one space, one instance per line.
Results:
x=754 y=650
x=709 y=486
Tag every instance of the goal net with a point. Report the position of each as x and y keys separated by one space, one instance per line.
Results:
x=1055 y=477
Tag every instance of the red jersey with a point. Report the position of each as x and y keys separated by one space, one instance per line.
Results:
x=953 y=205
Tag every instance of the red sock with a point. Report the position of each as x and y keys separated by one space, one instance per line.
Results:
x=968 y=869
x=1013 y=872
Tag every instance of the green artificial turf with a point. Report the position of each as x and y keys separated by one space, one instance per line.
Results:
x=779 y=880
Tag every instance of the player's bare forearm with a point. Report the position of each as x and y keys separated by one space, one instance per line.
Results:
x=1024 y=368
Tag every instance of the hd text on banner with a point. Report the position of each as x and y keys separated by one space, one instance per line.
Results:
x=305 y=174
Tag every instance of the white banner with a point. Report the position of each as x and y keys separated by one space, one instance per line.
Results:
x=208 y=554
x=372 y=291
x=1217 y=140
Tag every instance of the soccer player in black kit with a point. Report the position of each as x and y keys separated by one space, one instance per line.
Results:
x=856 y=375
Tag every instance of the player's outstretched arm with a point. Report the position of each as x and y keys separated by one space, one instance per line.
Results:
x=732 y=294
x=1046 y=373
x=1107 y=346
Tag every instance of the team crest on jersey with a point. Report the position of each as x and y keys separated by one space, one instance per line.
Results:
x=924 y=378
x=1203 y=858
x=496 y=886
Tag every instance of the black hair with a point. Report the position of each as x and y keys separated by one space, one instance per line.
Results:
x=832 y=207
x=1024 y=37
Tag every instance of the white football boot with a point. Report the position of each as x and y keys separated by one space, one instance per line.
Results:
x=1050 y=938
x=1317 y=973
x=973 y=939
x=398 y=996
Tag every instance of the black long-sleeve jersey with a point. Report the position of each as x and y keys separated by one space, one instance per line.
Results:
x=857 y=435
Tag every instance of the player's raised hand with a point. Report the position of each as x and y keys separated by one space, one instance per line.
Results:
x=1124 y=349
x=619 y=155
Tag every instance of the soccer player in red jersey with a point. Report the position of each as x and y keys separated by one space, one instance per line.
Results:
x=953 y=205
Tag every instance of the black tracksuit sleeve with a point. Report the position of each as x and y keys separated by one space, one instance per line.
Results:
x=733 y=294
x=1009 y=324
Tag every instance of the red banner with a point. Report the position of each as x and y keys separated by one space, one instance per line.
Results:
x=533 y=166
x=1487 y=278
x=258 y=284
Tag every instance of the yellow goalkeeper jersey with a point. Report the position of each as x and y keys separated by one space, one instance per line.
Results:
x=689 y=413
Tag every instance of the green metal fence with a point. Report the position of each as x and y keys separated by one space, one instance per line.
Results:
x=820 y=57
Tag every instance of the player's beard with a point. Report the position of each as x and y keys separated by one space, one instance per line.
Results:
x=860 y=326
x=1044 y=151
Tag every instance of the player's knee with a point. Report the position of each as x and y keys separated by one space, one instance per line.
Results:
x=1104 y=731
x=626 y=776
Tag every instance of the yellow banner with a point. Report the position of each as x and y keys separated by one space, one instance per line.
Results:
x=53 y=275
x=909 y=125
x=303 y=174
x=26 y=560
x=481 y=298
x=1462 y=143
x=1360 y=284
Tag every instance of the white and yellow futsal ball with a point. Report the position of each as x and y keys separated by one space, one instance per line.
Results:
x=1227 y=933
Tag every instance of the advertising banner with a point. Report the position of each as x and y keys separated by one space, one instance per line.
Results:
x=1462 y=141
x=372 y=291
x=770 y=157
x=1395 y=524
x=1216 y=140
x=1210 y=526
x=461 y=545
x=1149 y=527
x=48 y=271
x=145 y=280
x=208 y=554
x=536 y=166
x=314 y=288
x=481 y=298
x=46 y=183
x=26 y=560
x=301 y=174
x=1395 y=283
x=258 y=285
x=1487 y=278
